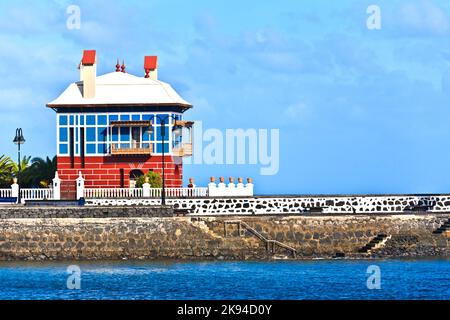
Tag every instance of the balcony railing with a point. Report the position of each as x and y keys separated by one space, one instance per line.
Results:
x=131 y=148
x=182 y=150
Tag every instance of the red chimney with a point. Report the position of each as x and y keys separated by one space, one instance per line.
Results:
x=151 y=67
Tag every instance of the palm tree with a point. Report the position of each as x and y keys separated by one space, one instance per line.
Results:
x=41 y=172
x=6 y=167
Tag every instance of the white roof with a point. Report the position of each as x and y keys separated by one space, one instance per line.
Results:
x=121 y=88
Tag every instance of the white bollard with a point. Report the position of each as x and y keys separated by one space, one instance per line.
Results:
x=221 y=187
x=212 y=188
x=249 y=187
x=146 y=189
x=240 y=188
x=80 y=186
x=56 y=187
x=231 y=188
x=15 y=189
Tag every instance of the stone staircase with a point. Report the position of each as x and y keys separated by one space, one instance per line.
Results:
x=376 y=243
x=271 y=245
x=443 y=228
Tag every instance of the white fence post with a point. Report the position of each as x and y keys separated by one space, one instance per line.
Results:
x=146 y=189
x=212 y=188
x=80 y=186
x=231 y=188
x=56 y=187
x=249 y=187
x=15 y=189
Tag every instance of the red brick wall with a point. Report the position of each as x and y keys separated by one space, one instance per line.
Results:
x=104 y=172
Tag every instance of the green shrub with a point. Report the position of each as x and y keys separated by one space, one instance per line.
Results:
x=153 y=178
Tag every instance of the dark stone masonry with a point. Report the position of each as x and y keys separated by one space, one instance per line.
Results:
x=139 y=233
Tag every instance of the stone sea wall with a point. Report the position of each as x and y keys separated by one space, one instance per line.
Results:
x=352 y=204
x=206 y=238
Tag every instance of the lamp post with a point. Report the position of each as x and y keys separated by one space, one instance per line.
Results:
x=18 y=139
x=163 y=134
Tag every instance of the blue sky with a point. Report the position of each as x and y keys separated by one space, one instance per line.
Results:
x=359 y=111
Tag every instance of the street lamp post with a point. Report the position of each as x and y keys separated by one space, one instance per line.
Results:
x=18 y=139
x=163 y=134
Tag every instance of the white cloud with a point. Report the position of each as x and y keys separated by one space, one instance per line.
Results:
x=424 y=17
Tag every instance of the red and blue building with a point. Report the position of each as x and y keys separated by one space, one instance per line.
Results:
x=115 y=127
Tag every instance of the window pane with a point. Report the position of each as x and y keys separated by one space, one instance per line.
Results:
x=90 y=148
x=159 y=136
x=101 y=148
x=159 y=147
x=101 y=134
x=63 y=134
x=125 y=134
x=147 y=134
x=71 y=120
x=90 y=134
x=90 y=120
x=63 y=120
x=115 y=134
x=124 y=117
x=113 y=117
x=82 y=120
x=147 y=117
x=136 y=117
x=163 y=116
x=101 y=120
x=63 y=148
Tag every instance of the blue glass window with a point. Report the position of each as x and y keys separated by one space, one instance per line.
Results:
x=76 y=148
x=63 y=134
x=147 y=135
x=76 y=134
x=90 y=120
x=101 y=134
x=82 y=120
x=160 y=117
x=159 y=147
x=101 y=120
x=159 y=133
x=113 y=117
x=115 y=134
x=147 y=117
x=124 y=134
x=136 y=117
x=101 y=148
x=63 y=120
x=90 y=134
x=90 y=148
x=63 y=148
x=124 y=117
x=71 y=120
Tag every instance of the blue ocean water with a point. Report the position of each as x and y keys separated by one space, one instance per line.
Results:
x=317 y=279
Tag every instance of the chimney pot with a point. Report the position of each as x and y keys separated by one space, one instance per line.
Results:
x=151 y=67
x=88 y=73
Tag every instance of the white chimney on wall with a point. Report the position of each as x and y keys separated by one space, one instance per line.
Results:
x=88 y=73
x=151 y=67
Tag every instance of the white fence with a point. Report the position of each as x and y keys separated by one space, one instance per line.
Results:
x=36 y=194
x=179 y=192
x=108 y=193
x=112 y=193
x=5 y=193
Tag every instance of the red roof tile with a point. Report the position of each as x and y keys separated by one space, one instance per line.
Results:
x=88 y=57
x=150 y=62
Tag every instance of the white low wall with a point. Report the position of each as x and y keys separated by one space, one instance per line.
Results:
x=364 y=204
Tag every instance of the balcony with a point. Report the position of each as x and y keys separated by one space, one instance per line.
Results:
x=182 y=150
x=134 y=148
